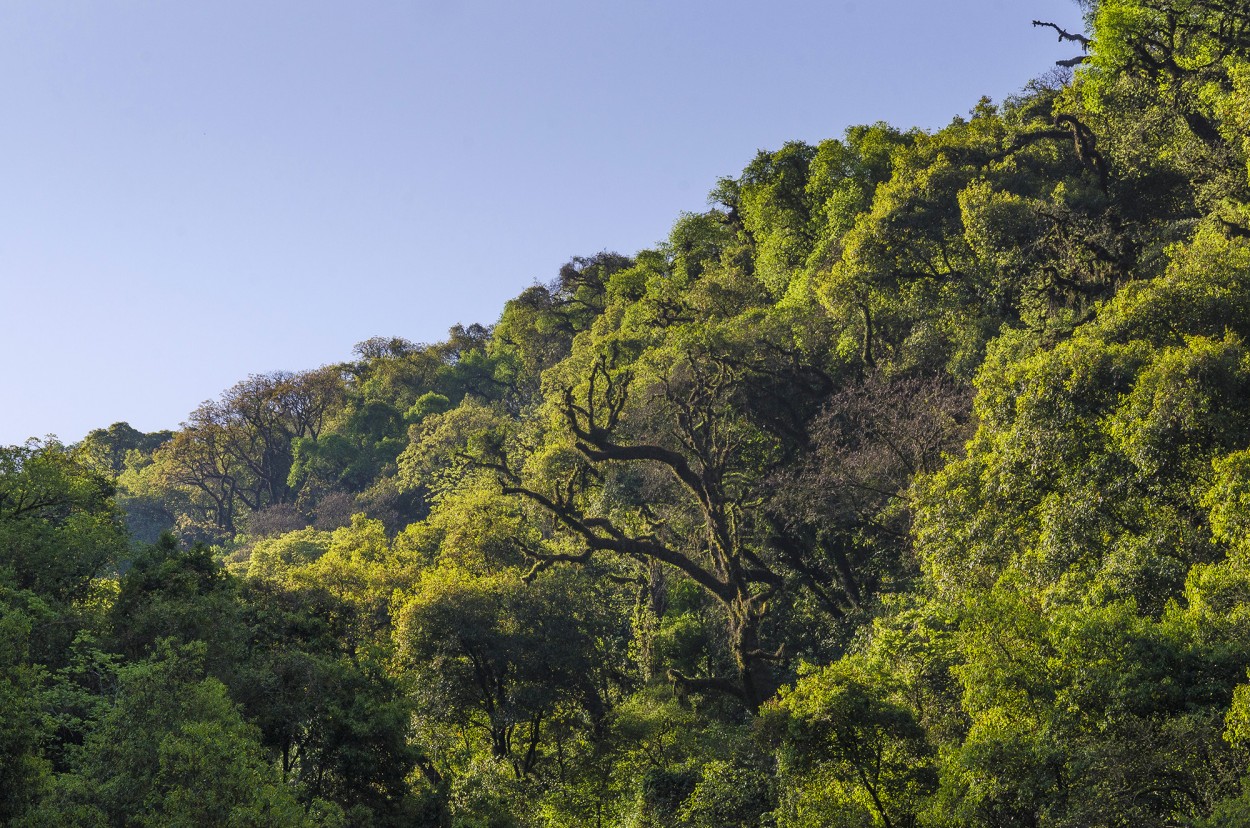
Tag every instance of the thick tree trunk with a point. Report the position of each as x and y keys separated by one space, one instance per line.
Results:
x=755 y=673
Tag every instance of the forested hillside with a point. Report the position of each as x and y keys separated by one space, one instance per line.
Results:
x=908 y=485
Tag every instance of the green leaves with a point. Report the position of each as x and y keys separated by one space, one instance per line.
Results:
x=59 y=528
x=851 y=749
x=1093 y=457
x=173 y=751
x=501 y=655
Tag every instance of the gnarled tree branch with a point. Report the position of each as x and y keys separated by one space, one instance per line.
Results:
x=1064 y=34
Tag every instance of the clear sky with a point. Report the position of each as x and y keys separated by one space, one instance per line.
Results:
x=191 y=192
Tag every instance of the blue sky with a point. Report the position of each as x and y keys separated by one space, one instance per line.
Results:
x=193 y=192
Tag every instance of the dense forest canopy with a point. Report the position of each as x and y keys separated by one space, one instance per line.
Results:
x=908 y=485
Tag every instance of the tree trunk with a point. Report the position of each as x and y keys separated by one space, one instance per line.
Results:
x=754 y=673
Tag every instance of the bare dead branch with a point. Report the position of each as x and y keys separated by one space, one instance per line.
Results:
x=1064 y=34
